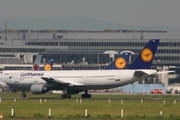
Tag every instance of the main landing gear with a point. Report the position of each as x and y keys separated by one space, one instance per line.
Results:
x=65 y=94
x=86 y=95
x=23 y=94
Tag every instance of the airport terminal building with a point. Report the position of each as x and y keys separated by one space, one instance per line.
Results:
x=75 y=49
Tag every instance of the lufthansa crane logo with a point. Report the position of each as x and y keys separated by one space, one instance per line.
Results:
x=120 y=63
x=47 y=67
x=146 y=55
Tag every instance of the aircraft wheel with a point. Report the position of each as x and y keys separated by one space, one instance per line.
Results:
x=86 y=95
x=23 y=95
x=89 y=95
x=68 y=95
x=63 y=96
x=83 y=95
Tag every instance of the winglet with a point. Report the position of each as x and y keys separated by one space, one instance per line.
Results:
x=48 y=66
x=145 y=58
x=120 y=62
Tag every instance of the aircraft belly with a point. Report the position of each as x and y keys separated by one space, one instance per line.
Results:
x=92 y=87
x=21 y=86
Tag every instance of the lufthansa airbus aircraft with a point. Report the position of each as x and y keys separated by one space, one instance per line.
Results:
x=75 y=81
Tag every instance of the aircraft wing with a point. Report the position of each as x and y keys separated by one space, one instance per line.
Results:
x=161 y=72
x=59 y=81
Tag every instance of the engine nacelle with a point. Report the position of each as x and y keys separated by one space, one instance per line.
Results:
x=38 y=89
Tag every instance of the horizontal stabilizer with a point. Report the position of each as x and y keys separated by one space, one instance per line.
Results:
x=143 y=73
x=161 y=72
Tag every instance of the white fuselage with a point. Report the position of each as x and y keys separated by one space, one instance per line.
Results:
x=5 y=75
x=77 y=79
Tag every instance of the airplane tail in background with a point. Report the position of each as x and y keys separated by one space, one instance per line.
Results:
x=48 y=66
x=37 y=63
x=145 y=58
x=120 y=62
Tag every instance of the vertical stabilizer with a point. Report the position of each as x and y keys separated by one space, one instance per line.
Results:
x=37 y=63
x=48 y=66
x=120 y=62
x=145 y=58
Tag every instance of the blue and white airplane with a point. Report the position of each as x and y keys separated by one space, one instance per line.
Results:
x=75 y=81
x=120 y=62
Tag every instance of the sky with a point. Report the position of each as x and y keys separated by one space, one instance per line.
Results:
x=122 y=12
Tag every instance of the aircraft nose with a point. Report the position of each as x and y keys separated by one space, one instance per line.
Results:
x=8 y=81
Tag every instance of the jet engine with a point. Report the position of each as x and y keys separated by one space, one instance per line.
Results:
x=38 y=89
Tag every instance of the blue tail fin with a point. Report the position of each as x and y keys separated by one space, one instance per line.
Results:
x=120 y=62
x=145 y=58
x=37 y=62
x=48 y=66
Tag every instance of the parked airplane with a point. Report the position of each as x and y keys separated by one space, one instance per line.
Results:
x=6 y=73
x=120 y=62
x=48 y=66
x=35 y=66
x=75 y=81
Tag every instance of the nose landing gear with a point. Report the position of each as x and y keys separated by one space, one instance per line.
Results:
x=65 y=94
x=23 y=94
